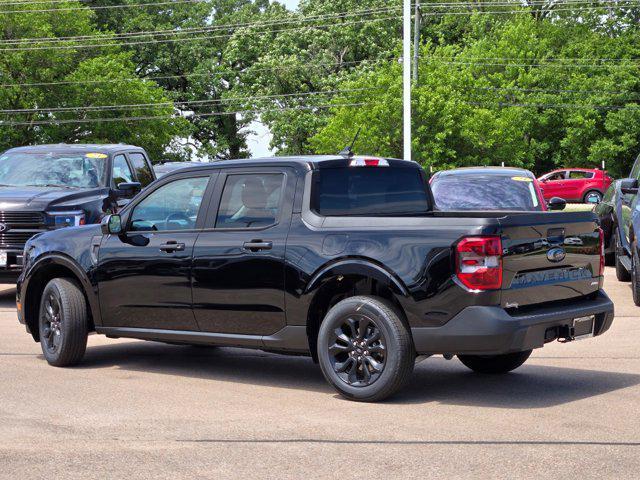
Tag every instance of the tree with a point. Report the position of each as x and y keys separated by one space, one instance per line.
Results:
x=521 y=90
x=59 y=92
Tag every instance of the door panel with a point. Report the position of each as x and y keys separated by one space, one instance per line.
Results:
x=238 y=266
x=144 y=274
x=144 y=287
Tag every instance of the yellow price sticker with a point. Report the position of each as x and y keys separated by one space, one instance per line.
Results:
x=96 y=155
x=522 y=179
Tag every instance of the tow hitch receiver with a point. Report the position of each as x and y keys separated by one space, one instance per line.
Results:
x=580 y=328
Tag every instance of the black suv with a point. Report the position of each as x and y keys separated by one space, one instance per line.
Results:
x=341 y=258
x=46 y=187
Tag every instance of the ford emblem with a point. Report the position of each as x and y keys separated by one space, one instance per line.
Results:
x=3 y=227
x=556 y=254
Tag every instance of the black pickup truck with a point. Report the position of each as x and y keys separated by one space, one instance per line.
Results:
x=46 y=187
x=339 y=257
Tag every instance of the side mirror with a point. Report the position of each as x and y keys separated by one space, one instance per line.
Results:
x=557 y=203
x=629 y=186
x=128 y=189
x=111 y=224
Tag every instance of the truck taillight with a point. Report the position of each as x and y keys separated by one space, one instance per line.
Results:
x=479 y=262
x=601 y=236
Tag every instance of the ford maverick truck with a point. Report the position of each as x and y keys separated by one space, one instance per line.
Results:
x=341 y=258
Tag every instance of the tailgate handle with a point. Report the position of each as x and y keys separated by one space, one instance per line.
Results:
x=555 y=235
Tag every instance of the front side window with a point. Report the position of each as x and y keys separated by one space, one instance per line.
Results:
x=121 y=171
x=552 y=177
x=250 y=200
x=484 y=193
x=173 y=206
x=74 y=170
x=141 y=167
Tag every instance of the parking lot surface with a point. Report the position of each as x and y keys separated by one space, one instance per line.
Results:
x=138 y=409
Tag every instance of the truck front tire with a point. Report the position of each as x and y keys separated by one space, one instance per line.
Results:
x=63 y=323
x=365 y=350
x=495 y=363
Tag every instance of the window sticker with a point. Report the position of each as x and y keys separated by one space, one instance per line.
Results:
x=522 y=179
x=96 y=155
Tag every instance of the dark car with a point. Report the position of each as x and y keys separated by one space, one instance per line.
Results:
x=338 y=257
x=619 y=216
x=162 y=169
x=488 y=189
x=46 y=187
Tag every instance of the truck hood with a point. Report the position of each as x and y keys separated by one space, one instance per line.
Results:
x=41 y=198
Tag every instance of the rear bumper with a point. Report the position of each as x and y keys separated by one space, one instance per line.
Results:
x=491 y=330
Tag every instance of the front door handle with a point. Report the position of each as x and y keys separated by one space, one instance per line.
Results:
x=256 y=245
x=172 y=246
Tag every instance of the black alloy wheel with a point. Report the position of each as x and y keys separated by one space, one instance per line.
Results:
x=52 y=323
x=358 y=351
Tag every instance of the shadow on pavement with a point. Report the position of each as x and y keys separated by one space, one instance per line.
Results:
x=7 y=296
x=435 y=380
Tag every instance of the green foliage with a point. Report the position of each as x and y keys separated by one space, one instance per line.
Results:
x=45 y=67
x=505 y=93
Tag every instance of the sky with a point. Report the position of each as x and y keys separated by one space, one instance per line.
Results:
x=258 y=141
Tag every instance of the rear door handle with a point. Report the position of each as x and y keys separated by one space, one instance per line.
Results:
x=172 y=246
x=256 y=245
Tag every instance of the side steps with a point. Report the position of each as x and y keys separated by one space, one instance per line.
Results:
x=626 y=262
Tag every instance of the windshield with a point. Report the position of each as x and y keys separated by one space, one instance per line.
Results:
x=485 y=192
x=73 y=170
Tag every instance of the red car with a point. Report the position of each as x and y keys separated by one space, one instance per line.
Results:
x=575 y=184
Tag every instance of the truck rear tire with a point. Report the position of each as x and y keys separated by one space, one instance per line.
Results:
x=495 y=363
x=365 y=349
x=622 y=274
x=63 y=322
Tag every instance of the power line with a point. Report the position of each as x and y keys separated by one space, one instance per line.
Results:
x=212 y=28
x=513 y=64
x=101 y=7
x=218 y=101
x=172 y=117
x=189 y=75
x=174 y=40
x=556 y=105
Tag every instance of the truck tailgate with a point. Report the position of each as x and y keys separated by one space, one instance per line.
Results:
x=549 y=257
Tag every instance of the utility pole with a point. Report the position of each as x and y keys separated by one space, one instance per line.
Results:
x=416 y=41
x=406 y=78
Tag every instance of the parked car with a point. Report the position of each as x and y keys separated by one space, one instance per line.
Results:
x=575 y=184
x=46 y=187
x=618 y=215
x=162 y=169
x=490 y=188
x=339 y=257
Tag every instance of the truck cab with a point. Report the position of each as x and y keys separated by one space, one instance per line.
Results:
x=47 y=187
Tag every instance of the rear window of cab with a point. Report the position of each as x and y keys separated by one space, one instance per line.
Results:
x=370 y=191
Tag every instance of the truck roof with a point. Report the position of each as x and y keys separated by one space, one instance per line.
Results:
x=507 y=171
x=76 y=147
x=308 y=162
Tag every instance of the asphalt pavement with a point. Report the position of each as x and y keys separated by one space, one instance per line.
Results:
x=138 y=409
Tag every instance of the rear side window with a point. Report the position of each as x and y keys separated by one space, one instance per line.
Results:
x=369 y=191
x=578 y=175
x=250 y=200
x=489 y=192
x=140 y=165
